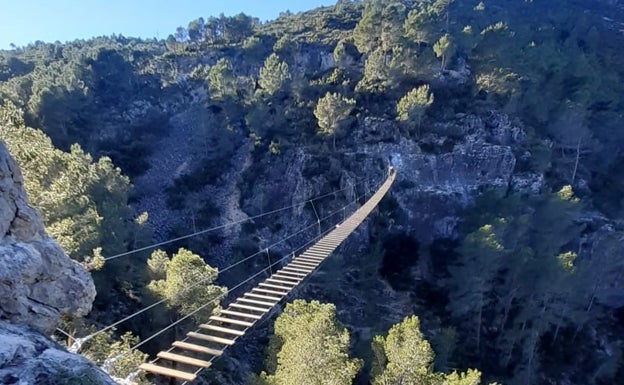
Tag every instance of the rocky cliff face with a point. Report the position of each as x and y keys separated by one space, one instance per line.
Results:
x=38 y=283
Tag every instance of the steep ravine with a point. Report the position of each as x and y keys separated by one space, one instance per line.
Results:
x=435 y=182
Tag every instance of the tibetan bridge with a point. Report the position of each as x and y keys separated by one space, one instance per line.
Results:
x=187 y=358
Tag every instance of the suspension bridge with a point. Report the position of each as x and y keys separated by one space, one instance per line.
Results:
x=222 y=331
x=186 y=358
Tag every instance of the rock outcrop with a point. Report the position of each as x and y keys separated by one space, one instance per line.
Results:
x=38 y=281
x=26 y=357
x=432 y=188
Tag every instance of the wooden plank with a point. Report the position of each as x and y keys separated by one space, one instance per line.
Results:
x=247 y=307
x=303 y=262
x=255 y=302
x=292 y=274
x=301 y=265
x=286 y=278
x=221 y=329
x=291 y=284
x=205 y=337
x=297 y=269
x=324 y=248
x=183 y=359
x=240 y=314
x=167 y=372
x=309 y=264
x=306 y=269
x=196 y=348
x=313 y=255
x=275 y=286
x=325 y=251
x=315 y=260
x=261 y=290
x=336 y=240
x=231 y=321
x=305 y=257
x=262 y=296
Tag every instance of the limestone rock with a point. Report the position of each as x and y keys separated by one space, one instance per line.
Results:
x=38 y=281
x=432 y=188
x=27 y=357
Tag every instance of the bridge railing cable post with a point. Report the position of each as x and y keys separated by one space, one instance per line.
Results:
x=318 y=220
x=269 y=260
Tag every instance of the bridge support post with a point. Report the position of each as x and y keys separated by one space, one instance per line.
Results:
x=269 y=260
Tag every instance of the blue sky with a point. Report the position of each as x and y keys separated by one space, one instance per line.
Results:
x=26 y=21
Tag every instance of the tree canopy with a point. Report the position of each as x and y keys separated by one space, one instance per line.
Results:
x=83 y=203
x=412 y=107
x=310 y=347
x=330 y=110
x=181 y=271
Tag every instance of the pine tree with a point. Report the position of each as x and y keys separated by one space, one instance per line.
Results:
x=221 y=80
x=367 y=32
x=157 y=264
x=184 y=269
x=403 y=357
x=84 y=204
x=470 y=377
x=377 y=77
x=442 y=49
x=472 y=281
x=273 y=75
x=116 y=356
x=391 y=34
x=330 y=110
x=412 y=107
x=311 y=347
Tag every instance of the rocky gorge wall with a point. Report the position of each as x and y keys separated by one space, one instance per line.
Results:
x=38 y=283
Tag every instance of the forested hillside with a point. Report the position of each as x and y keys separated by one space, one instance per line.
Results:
x=501 y=242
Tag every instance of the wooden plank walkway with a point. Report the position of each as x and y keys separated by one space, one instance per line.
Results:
x=223 y=329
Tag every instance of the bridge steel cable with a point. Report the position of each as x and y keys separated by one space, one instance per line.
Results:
x=230 y=224
x=240 y=284
x=81 y=340
x=224 y=329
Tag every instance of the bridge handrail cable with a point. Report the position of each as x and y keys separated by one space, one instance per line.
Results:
x=186 y=288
